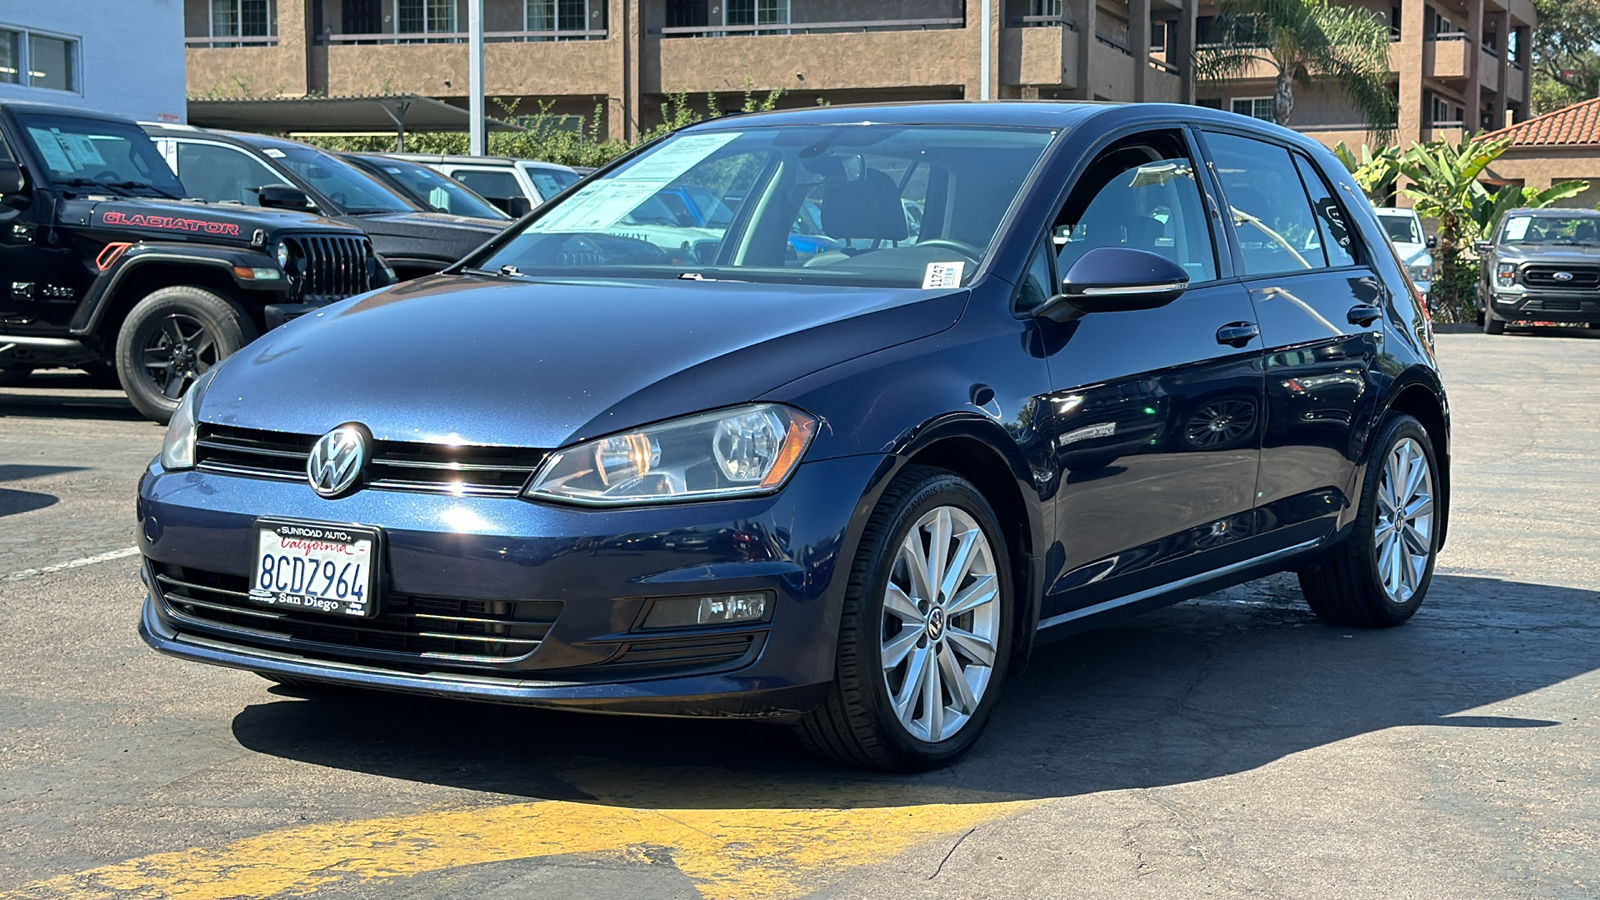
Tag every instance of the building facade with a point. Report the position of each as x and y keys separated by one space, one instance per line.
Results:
x=1457 y=67
x=115 y=57
x=626 y=57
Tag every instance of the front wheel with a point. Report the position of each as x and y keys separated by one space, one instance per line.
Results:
x=170 y=339
x=925 y=632
x=1380 y=574
x=1491 y=325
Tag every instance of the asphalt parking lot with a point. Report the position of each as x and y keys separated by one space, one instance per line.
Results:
x=1228 y=746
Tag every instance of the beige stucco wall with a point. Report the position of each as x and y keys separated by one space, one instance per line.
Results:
x=1539 y=167
x=807 y=61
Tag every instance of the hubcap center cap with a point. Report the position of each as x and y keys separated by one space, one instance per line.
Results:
x=935 y=624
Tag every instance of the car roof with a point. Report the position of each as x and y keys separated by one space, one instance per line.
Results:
x=1395 y=211
x=461 y=159
x=58 y=109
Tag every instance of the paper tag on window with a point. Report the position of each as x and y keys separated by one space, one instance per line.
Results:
x=273 y=152
x=942 y=275
x=1517 y=229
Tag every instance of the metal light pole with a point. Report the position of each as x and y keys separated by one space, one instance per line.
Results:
x=475 y=76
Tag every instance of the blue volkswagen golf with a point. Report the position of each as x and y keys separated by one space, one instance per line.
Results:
x=1130 y=354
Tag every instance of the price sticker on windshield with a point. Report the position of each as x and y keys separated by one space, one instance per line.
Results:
x=940 y=275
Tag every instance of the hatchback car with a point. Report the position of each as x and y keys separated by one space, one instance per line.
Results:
x=1132 y=354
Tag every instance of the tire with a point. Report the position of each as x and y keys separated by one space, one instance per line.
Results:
x=857 y=724
x=14 y=377
x=1367 y=581
x=1491 y=325
x=171 y=338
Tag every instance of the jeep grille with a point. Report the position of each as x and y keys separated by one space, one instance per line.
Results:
x=328 y=268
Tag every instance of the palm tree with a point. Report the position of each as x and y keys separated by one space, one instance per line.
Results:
x=1306 y=41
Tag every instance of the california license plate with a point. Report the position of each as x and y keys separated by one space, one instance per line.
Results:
x=315 y=567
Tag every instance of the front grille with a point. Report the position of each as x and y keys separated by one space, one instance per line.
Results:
x=1544 y=276
x=395 y=465
x=433 y=628
x=705 y=650
x=1558 y=304
x=328 y=268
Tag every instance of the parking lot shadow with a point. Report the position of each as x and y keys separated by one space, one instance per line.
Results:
x=62 y=394
x=1212 y=687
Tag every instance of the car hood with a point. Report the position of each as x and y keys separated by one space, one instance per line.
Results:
x=1413 y=254
x=540 y=364
x=174 y=220
x=1553 y=255
x=429 y=223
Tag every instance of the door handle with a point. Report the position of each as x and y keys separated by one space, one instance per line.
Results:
x=1364 y=315
x=1237 y=334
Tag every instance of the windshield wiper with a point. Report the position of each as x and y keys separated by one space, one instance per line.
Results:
x=91 y=183
x=505 y=271
x=135 y=185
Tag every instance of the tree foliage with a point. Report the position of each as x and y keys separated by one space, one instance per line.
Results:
x=1565 y=53
x=1304 y=41
x=1374 y=172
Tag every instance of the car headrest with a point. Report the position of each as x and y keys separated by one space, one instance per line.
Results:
x=869 y=209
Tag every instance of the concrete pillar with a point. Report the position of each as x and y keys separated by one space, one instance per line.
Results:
x=1408 y=62
x=1139 y=44
x=973 y=14
x=1180 y=47
x=1473 y=93
x=294 y=42
x=625 y=37
x=1525 y=57
x=1083 y=14
x=1502 y=45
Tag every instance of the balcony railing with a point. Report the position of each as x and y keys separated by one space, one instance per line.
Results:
x=811 y=27
x=1448 y=36
x=207 y=43
x=461 y=37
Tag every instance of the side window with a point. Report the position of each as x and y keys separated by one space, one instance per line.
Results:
x=1036 y=286
x=497 y=186
x=1140 y=193
x=1337 y=239
x=222 y=174
x=1267 y=205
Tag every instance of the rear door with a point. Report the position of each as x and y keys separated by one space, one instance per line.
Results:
x=1321 y=308
x=1154 y=414
x=221 y=173
x=22 y=267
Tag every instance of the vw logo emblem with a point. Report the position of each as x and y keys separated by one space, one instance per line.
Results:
x=337 y=460
x=1562 y=276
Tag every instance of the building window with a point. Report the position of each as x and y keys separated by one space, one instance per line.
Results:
x=1050 y=8
x=1158 y=36
x=38 y=60
x=1443 y=112
x=425 y=16
x=756 y=12
x=556 y=15
x=243 y=18
x=1254 y=107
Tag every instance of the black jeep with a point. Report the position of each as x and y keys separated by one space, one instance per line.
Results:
x=1542 y=265
x=105 y=266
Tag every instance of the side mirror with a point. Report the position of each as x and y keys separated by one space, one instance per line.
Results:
x=1115 y=279
x=11 y=180
x=281 y=196
x=1480 y=246
x=1433 y=241
x=519 y=206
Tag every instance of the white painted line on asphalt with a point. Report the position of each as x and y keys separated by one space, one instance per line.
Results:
x=74 y=564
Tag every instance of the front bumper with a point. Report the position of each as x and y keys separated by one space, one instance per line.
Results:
x=598 y=569
x=1531 y=306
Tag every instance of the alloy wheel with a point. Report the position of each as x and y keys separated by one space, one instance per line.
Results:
x=941 y=621
x=177 y=352
x=1403 y=532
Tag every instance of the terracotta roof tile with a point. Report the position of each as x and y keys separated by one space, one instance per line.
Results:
x=1575 y=125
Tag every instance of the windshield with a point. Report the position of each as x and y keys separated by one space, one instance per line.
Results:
x=435 y=190
x=890 y=205
x=1573 y=230
x=550 y=182
x=1402 y=229
x=343 y=184
x=114 y=154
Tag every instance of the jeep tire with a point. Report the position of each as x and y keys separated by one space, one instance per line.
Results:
x=172 y=337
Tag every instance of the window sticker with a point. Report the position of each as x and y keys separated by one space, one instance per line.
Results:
x=1335 y=221
x=54 y=156
x=940 y=275
x=273 y=152
x=603 y=204
x=1517 y=228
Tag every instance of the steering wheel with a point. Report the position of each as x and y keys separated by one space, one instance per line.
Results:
x=965 y=249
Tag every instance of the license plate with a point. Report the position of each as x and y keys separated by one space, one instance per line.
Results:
x=315 y=567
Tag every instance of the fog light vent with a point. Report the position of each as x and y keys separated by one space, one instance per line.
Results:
x=723 y=609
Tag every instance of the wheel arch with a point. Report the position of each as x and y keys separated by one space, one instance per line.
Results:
x=144 y=269
x=971 y=449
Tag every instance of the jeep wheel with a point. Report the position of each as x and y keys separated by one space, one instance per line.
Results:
x=171 y=338
x=14 y=377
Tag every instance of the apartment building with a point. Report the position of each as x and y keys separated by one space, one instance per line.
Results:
x=94 y=54
x=625 y=57
x=1458 y=67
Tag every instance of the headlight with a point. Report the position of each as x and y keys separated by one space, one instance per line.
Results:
x=283 y=254
x=1505 y=274
x=177 y=451
x=1422 y=273
x=730 y=453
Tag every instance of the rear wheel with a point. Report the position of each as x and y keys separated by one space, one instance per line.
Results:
x=1379 y=576
x=925 y=633
x=170 y=339
x=14 y=377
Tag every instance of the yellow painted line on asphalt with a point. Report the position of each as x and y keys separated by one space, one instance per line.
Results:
x=730 y=854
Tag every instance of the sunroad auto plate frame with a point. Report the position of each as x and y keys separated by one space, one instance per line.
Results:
x=315 y=533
